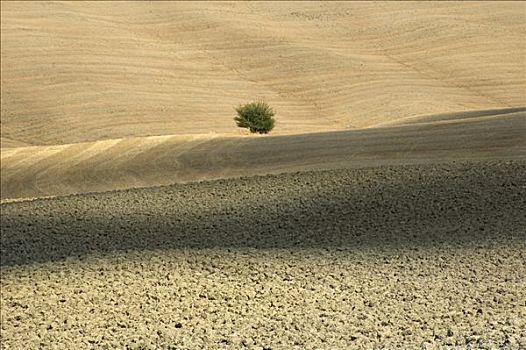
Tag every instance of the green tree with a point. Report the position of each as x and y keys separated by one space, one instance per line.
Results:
x=256 y=116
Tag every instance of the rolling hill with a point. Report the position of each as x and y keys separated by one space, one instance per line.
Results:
x=97 y=96
x=36 y=171
x=391 y=210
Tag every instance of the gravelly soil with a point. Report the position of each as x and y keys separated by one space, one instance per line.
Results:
x=395 y=257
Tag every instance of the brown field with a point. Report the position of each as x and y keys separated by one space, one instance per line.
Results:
x=119 y=96
x=386 y=210
x=29 y=172
x=418 y=257
x=73 y=72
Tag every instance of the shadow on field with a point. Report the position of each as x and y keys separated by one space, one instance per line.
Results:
x=453 y=204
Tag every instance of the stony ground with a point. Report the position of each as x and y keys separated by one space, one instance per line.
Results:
x=412 y=257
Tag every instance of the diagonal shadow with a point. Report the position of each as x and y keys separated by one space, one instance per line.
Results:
x=456 y=204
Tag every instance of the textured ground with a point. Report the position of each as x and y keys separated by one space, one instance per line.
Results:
x=412 y=257
x=86 y=71
x=37 y=171
x=99 y=96
x=104 y=96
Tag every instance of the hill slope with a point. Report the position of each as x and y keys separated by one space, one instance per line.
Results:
x=160 y=160
x=86 y=71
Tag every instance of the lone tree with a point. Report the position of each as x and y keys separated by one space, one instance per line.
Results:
x=256 y=116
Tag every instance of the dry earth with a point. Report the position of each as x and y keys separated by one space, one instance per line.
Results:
x=99 y=96
x=412 y=257
x=37 y=171
x=425 y=249
x=85 y=71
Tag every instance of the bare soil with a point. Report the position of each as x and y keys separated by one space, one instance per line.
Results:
x=97 y=70
x=32 y=172
x=412 y=257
